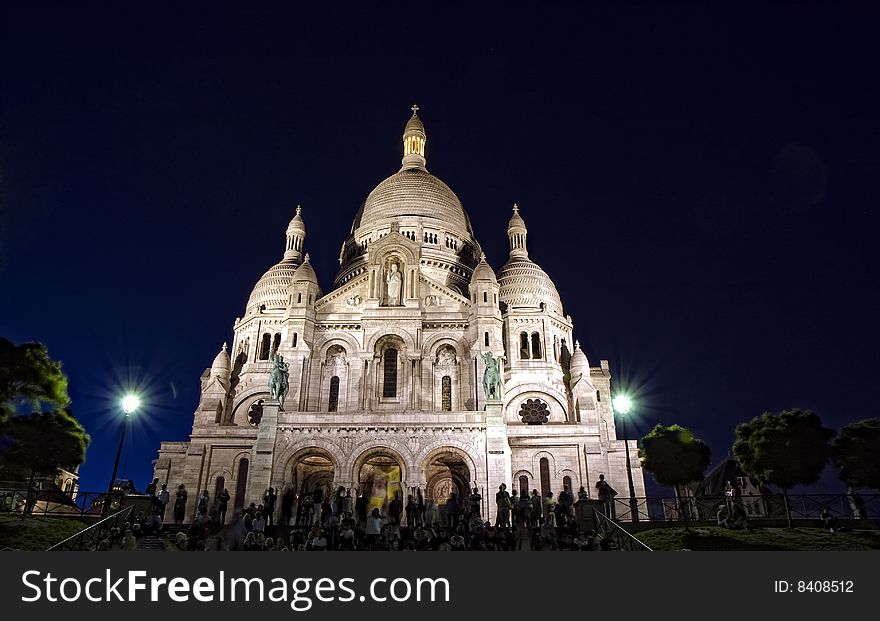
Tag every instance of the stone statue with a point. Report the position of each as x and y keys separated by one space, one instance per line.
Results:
x=278 y=385
x=491 y=377
x=393 y=284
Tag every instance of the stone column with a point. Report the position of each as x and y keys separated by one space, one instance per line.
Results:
x=263 y=454
x=498 y=449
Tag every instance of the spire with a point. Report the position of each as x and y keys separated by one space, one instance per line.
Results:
x=516 y=233
x=414 y=139
x=296 y=235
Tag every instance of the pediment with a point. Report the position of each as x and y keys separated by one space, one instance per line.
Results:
x=431 y=288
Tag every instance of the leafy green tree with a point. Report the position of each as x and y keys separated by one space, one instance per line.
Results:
x=785 y=449
x=47 y=437
x=29 y=378
x=675 y=457
x=857 y=454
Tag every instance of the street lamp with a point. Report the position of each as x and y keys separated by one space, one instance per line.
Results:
x=623 y=404
x=130 y=403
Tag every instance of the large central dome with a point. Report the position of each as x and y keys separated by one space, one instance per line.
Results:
x=412 y=192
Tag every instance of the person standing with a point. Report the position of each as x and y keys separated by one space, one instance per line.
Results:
x=395 y=509
x=537 y=508
x=360 y=507
x=317 y=501
x=475 y=501
x=269 y=499
x=606 y=494
x=411 y=509
x=152 y=488
x=164 y=497
x=180 y=504
x=347 y=505
x=502 y=506
x=222 y=503
x=202 y=507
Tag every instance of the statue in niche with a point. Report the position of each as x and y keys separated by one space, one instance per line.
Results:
x=491 y=377
x=393 y=284
x=278 y=386
x=446 y=357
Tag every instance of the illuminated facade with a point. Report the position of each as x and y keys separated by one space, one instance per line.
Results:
x=386 y=370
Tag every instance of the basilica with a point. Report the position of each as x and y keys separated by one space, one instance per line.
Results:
x=385 y=371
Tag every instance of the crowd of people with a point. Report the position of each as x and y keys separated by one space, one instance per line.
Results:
x=318 y=520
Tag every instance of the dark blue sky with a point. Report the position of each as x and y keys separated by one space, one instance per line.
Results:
x=702 y=186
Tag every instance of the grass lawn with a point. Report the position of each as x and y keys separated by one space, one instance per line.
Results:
x=36 y=533
x=714 y=538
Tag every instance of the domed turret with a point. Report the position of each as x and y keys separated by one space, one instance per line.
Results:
x=579 y=363
x=296 y=236
x=272 y=291
x=522 y=281
x=483 y=272
x=414 y=139
x=221 y=365
x=305 y=272
x=516 y=233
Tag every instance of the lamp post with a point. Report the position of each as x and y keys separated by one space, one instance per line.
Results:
x=130 y=403
x=623 y=404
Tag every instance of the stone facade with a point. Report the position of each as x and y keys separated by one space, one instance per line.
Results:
x=386 y=370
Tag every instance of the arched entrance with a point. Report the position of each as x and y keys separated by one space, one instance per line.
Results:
x=447 y=471
x=379 y=474
x=312 y=468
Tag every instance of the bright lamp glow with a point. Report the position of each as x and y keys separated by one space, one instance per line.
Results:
x=130 y=403
x=622 y=404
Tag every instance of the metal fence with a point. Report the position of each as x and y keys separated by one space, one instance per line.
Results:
x=749 y=508
x=89 y=538
x=55 y=502
x=623 y=540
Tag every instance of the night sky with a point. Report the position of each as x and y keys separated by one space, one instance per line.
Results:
x=701 y=186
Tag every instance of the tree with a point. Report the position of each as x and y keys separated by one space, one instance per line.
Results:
x=856 y=454
x=785 y=449
x=48 y=437
x=29 y=377
x=675 y=457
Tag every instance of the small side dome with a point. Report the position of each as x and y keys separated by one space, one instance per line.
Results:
x=579 y=362
x=305 y=272
x=221 y=365
x=483 y=272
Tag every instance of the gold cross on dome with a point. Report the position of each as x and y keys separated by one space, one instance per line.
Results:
x=415 y=109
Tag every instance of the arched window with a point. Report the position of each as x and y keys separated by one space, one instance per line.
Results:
x=294 y=339
x=265 y=346
x=486 y=339
x=241 y=482
x=545 y=476
x=389 y=371
x=276 y=342
x=536 y=346
x=598 y=396
x=219 y=484
x=446 y=393
x=523 y=346
x=523 y=485
x=333 y=404
x=566 y=483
